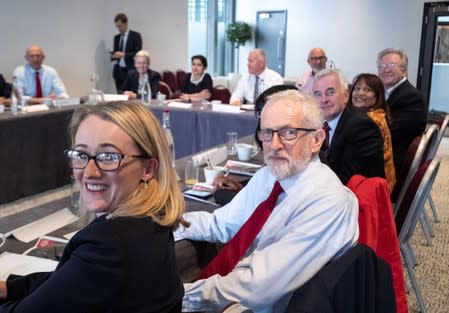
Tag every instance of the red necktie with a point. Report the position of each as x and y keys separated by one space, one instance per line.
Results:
x=326 y=128
x=38 y=85
x=231 y=253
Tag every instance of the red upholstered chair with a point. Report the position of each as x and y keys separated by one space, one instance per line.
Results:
x=377 y=228
x=170 y=79
x=410 y=164
x=221 y=93
x=165 y=89
x=409 y=213
x=180 y=77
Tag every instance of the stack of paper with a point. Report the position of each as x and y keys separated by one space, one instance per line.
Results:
x=19 y=264
x=35 y=108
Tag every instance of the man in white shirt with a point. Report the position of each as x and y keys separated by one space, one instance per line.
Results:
x=258 y=78
x=35 y=80
x=317 y=60
x=314 y=219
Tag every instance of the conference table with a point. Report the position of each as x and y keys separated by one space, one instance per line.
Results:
x=32 y=143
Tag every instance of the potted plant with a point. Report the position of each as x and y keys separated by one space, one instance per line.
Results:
x=238 y=33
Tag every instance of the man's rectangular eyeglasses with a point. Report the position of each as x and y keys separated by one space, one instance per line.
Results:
x=284 y=133
x=316 y=59
x=387 y=65
x=105 y=161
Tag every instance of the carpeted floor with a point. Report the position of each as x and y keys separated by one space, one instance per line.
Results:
x=432 y=271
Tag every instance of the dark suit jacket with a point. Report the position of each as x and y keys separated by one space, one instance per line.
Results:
x=408 y=111
x=132 y=82
x=133 y=45
x=190 y=88
x=124 y=264
x=356 y=282
x=5 y=88
x=356 y=147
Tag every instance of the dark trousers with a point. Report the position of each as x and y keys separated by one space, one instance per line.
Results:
x=119 y=74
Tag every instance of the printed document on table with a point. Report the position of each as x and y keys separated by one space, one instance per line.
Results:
x=44 y=225
x=19 y=264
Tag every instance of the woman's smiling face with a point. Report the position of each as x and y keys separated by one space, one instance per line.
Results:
x=103 y=191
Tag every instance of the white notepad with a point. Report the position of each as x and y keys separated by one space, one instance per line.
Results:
x=44 y=225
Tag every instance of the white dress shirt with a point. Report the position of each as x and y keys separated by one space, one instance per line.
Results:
x=122 y=62
x=390 y=90
x=51 y=83
x=315 y=219
x=245 y=86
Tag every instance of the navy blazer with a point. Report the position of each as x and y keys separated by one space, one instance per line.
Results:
x=124 y=264
x=5 y=88
x=356 y=282
x=133 y=45
x=356 y=147
x=408 y=112
x=131 y=82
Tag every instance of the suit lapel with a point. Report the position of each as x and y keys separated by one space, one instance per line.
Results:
x=337 y=133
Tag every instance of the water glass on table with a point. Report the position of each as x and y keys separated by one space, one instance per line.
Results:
x=191 y=173
x=231 y=141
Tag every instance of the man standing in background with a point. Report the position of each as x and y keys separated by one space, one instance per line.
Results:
x=126 y=44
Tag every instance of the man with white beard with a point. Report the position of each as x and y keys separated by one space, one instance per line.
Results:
x=314 y=218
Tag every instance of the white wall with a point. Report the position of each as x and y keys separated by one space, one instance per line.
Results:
x=77 y=35
x=352 y=32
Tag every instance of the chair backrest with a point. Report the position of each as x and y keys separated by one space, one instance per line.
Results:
x=180 y=77
x=413 y=203
x=431 y=147
x=443 y=125
x=165 y=89
x=358 y=281
x=377 y=228
x=221 y=93
x=169 y=78
x=411 y=163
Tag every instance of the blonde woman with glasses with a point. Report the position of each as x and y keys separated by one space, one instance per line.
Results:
x=124 y=260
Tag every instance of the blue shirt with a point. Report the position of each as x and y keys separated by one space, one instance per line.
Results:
x=314 y=220
x=51 y=83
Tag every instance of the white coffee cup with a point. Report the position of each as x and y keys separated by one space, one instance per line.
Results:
x=2 y=108
x=244 y=151
x=2 y=240
x=161 y=97
x=215 y=102
x=210 y=174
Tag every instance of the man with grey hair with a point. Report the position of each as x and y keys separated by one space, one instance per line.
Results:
x=317 y=60
x=311 y=219
x=35 y=80
x=408 y=106
x=258 y=79
x=354 y=144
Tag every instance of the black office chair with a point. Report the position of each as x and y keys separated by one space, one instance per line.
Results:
x=356 y=282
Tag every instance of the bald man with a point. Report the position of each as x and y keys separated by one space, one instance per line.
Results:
x=37 y=81
x=258 y=79
x=317 y=61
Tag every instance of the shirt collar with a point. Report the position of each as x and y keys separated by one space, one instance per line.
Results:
x=392 y=88
x=289 y=182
